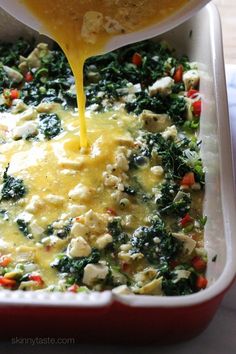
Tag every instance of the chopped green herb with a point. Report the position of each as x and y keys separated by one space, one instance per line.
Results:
x=23 y=226
x=13 y=188
x=49 y=125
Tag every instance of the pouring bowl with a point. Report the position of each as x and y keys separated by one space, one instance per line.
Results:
x=17 y=9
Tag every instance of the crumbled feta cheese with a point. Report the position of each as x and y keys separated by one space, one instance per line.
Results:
x=170 y=132
x=157 y=171
x=76 y=209
x=28 y=114
x=36 y=229
x=27 y=217
x=79 y=229
x=103 y=241
x=122 y=290
x=126 y=140
x=162 y=86
x=80 y=192
x=78 y=247
x=93 y=273
x=25 y=130
x=128 y=258
x=35 y=204
x=181 y=274
x=125 y=247
x=129 y=89
x=191 y=79
x=110 y=180
x=54 y=199
x=50 y=240
x=18 y=106
x=121 y=162
x=96 y=222
x=45 y=107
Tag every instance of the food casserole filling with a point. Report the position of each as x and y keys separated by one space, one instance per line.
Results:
x=125 y=213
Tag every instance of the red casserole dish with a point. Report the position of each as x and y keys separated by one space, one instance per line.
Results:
x=108 y=317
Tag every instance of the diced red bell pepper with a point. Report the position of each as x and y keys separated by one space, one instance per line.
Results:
x=7 y=283
x=111 y=212
x=174 y=263
x=11 y=94
x=201 y=282
x=192 y=93
x=125 y=267
x=14 y=94
x=5 y=260
x=185 y=220
x=36 y=278
x=73 y=288
x=197 y=108
x=198 y=264
x=137 y=59
x=29 y=77
x=188 y=179
x=178 y=75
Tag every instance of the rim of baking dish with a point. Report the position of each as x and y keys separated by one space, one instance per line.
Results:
x=106 y=298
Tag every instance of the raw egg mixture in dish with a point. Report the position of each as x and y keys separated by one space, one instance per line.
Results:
x=124 y=213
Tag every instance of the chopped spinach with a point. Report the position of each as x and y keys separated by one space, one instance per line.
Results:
x=116 y=230
x=23 y=226
x=155 y=242
x=10 y=52
x=171 y=203
x=49 y=125
x=61 y=232
x=13 y=188
x=177 y=109
x=74 y=267
x=4 y=214
x=184 y=286
x=109 y=77
x=114 y=70
x=175 y=160
x=143 y=101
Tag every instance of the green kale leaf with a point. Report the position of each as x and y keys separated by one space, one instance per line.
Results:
x=74 y=267
x=49 y=125
x=13 y=188
x=23 y=226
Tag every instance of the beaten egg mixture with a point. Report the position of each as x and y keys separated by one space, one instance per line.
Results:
x=124 y=213
x=83 y=27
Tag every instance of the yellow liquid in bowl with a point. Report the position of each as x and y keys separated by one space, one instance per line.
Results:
x=83 y=27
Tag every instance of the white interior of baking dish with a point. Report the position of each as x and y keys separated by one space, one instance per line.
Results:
x=200 y=39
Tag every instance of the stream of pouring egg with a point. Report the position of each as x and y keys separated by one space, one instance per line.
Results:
x=63 y=20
